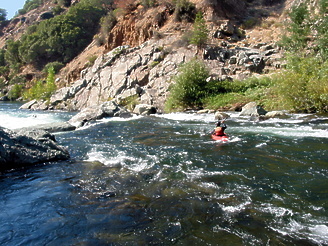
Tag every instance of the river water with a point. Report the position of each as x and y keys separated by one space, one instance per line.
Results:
x=161 y=180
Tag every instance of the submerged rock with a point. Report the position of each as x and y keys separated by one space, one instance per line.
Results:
x=20 y=150
x=51 y=127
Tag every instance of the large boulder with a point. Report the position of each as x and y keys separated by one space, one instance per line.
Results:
x=20 y=150
x=221 y=115
x=144 y=109
x=107 y=109
x=50 y=127
x=252 y=109
x=276 y=114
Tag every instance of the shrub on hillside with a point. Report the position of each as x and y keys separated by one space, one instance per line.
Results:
x=190 y=87
x=30 y=5
x=184 y=10
x=42 y=89
x=60 y=38
x=106 y=25
x=55 y=65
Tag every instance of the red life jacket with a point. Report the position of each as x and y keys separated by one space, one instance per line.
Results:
x=219 y=131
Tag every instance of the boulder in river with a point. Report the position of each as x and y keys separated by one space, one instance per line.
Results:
x=107 y=109
x=144 y=109
x=252 y=109
x=221 y=116
x=50 y=127
x=20 y=150
x=275 y=114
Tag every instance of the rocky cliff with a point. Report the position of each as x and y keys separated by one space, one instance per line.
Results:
x=145 y=72
x=144 y=49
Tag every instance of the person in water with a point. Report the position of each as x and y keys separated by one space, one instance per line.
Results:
x=219 y=128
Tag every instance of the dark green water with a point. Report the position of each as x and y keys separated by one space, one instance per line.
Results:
x=163 y=181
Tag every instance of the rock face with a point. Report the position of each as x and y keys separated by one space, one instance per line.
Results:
x=145 y=72
x=18 y=150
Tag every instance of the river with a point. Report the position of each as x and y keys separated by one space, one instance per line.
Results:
x=161 y=180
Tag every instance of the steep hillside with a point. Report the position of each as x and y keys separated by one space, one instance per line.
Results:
x=139 y=47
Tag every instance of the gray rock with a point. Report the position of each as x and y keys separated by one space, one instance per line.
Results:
x=20 y=150
x=275 y=114
x=221 y=116
x=51 y=127
x=29 y=104
x=144 y=109
x=252 y=109
x=4 y=98
x=96 y=112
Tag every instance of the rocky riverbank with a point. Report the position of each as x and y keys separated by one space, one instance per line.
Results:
x=23 y=148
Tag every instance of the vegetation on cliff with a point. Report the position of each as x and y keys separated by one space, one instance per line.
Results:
x=302 y=86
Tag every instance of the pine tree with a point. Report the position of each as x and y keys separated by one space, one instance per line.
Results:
x=199 y=34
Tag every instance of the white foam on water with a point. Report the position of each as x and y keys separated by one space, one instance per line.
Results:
x=307 y=227
x=295 y=131
x=188 y=117
x=118 y=119
x=237 y=208
x=276 y=211
x=260 y=145
x=16 y=120
x=121 y=159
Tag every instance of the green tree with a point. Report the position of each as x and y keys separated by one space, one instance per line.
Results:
x=62 y=37
x=190 y=87
x=298 y=29
x=3 y=15
x=12 y=54
x=199 y=34
x=2 y=58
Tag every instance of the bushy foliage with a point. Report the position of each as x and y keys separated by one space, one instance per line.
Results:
x=226 y=93
x=298 y=29
x=57 y=10
x=106 y=25
x=3 y=15
x=148 y=3
x=42 y=89
x=60 y=38
x=12 y=57
x=304 y=87
x=307 y=33
x=15 y=92
x=2 y=57
x=65 y=3
x=30 y=5
x=184 y=10
x=190 y=87
x=53 y=65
